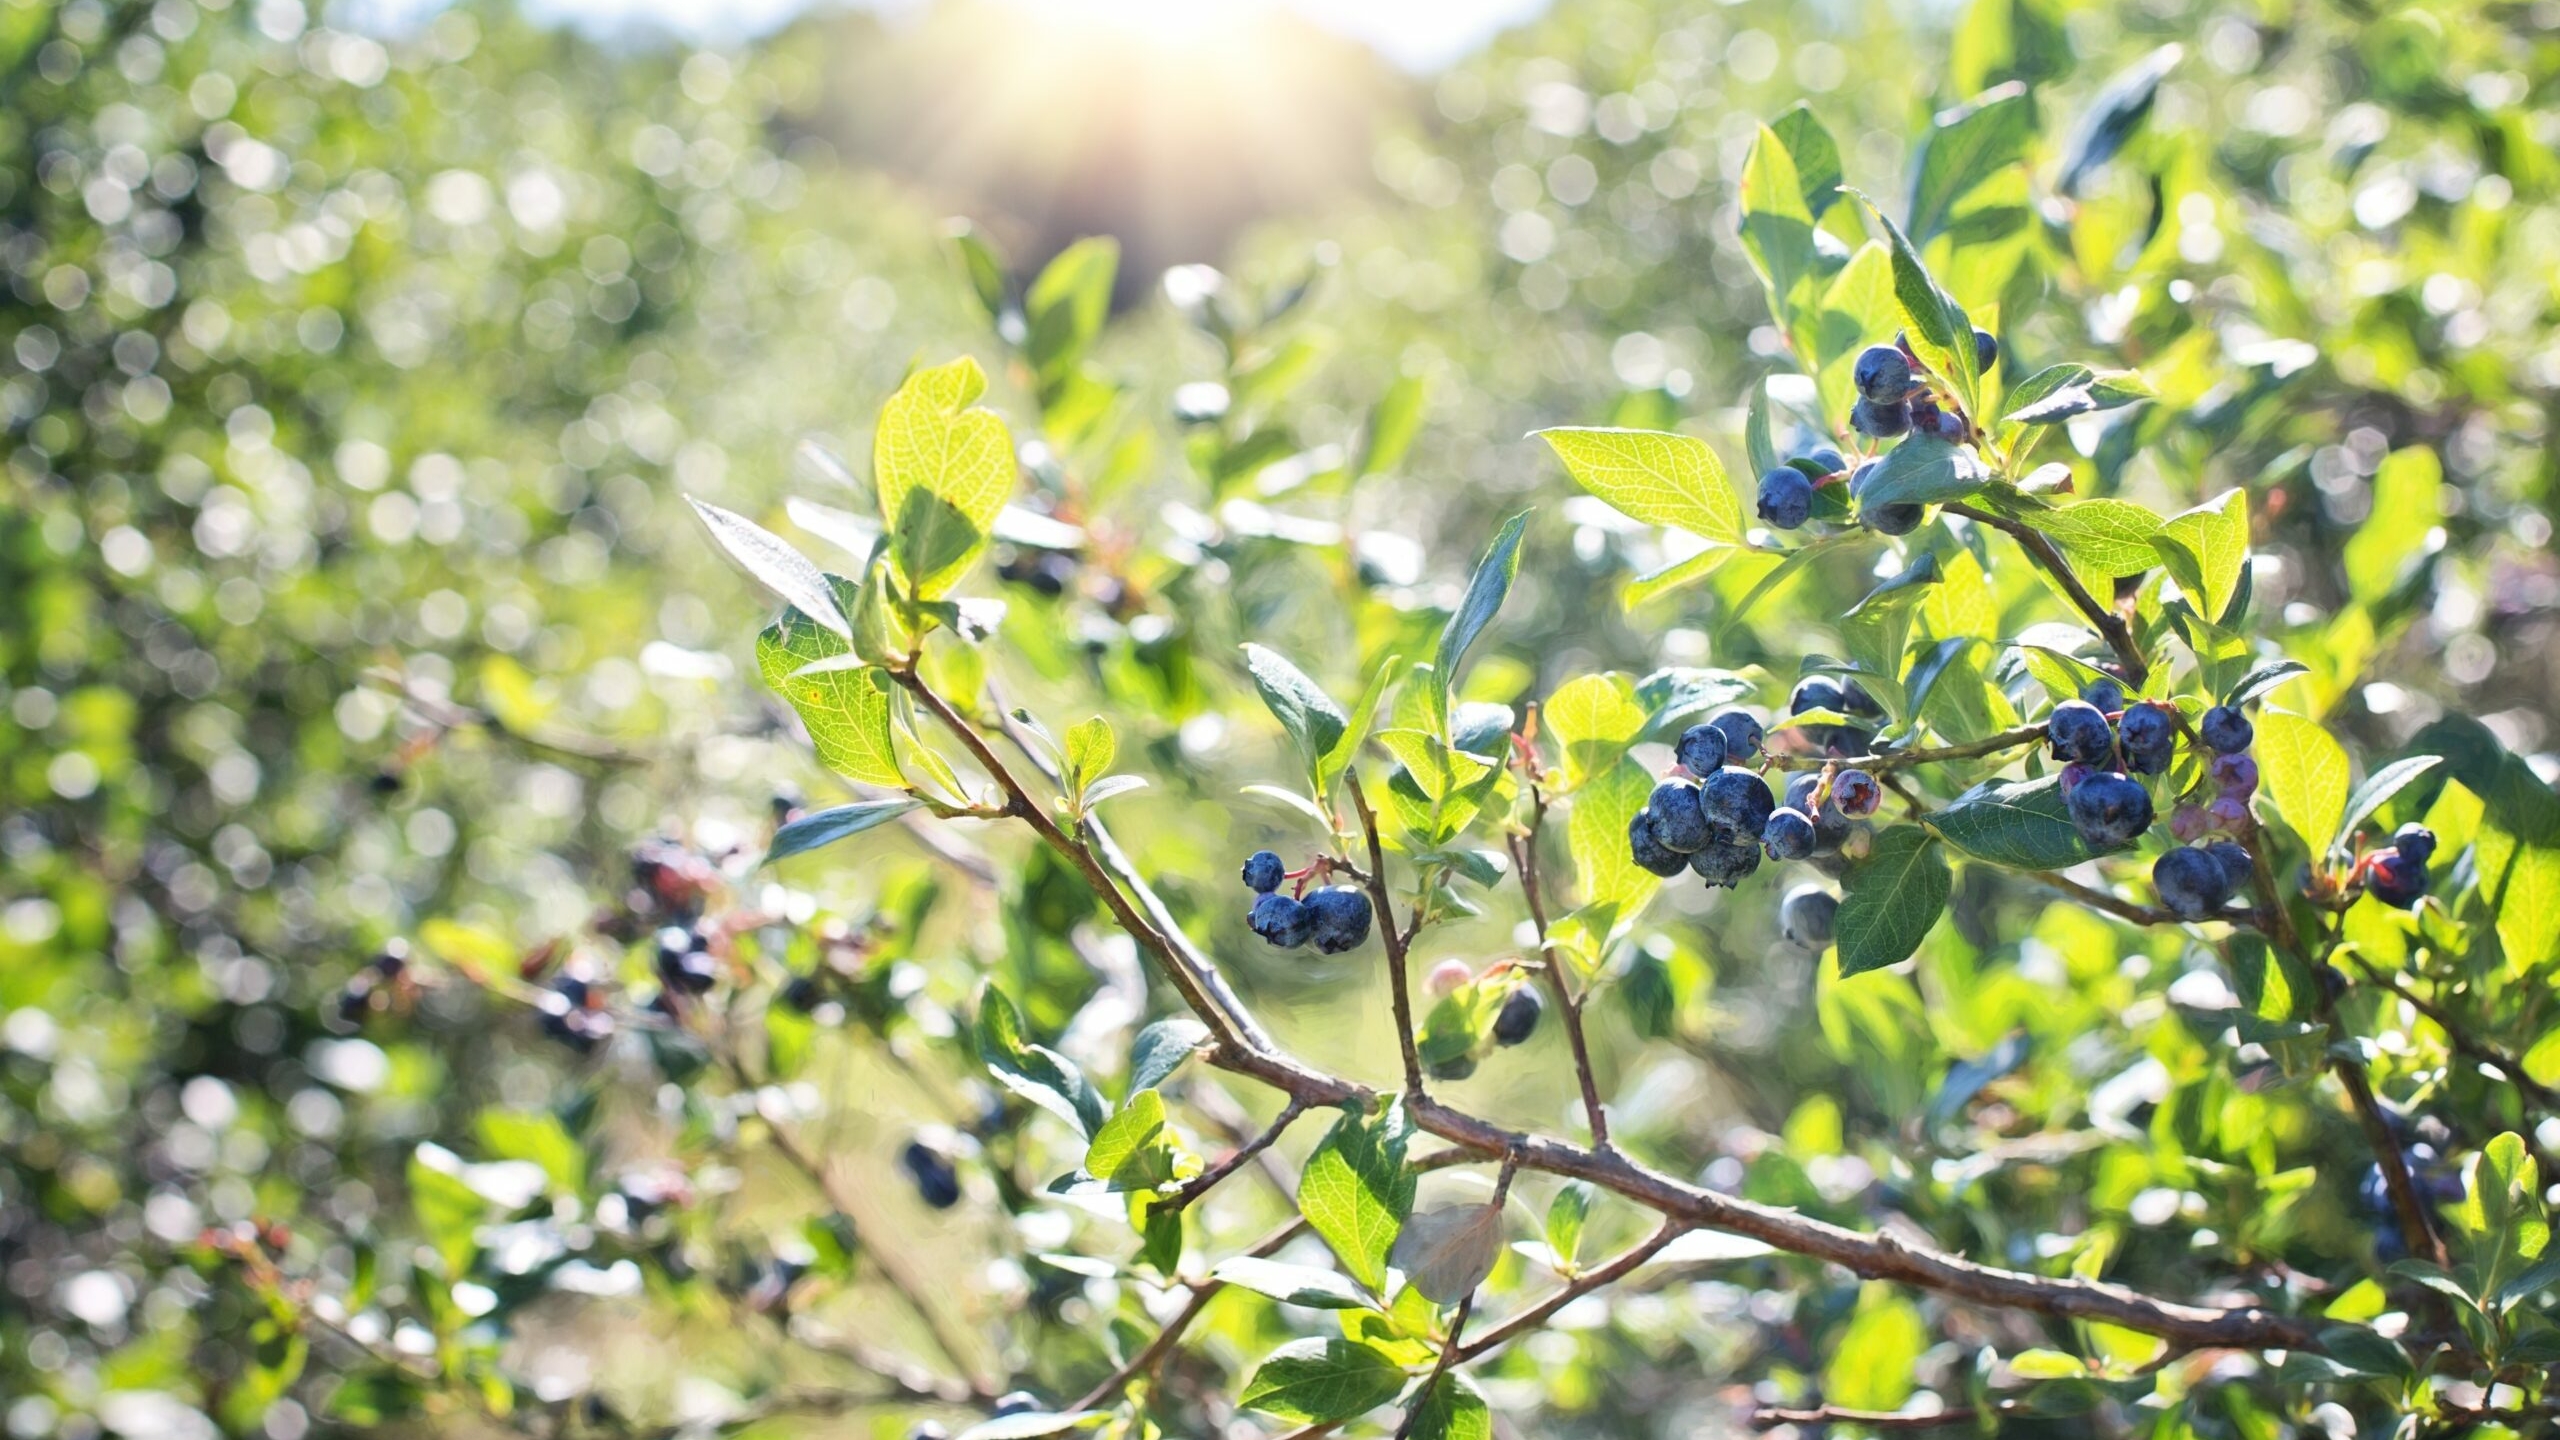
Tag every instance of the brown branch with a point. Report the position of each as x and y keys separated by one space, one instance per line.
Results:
x=1879 y=1255
x=2463 y=1042
x=1770 y=1417
x=1524 y=856
x=1206 y=1180
x=1202 y=1292
x=2097 y=899
x=1889 y=759
x=1581 y=1285
x=2040 y=548
x=1451 y=1348
x=1384 y=903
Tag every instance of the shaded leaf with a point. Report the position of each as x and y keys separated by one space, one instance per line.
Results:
x=1889 y=900
x=825 y=827
x=1447 y=1252
x=2021 y=824
x=1315 y=1381
x=770 y=561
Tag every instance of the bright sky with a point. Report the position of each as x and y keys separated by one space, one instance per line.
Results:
x=1420 y=35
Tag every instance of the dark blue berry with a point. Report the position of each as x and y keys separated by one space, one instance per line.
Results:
x=1824 y=461
x=2107 y=694
x=2191 y=883
x=1339 y=918
x=1786 y=497
x=1881 y=422
x=1518 y=1018
x=1647 y=849
x=803 y=993
x=2237 y=868
x=691 y=972
x=2395 y=879
x=1727 y=862
x=1817 y=692
x=2149 y=738
x=1986 y=351
x=1737 y=800
x=1679 y=816
x=1787 y=835
x=1896 y=519
x=1282 y=921
x=1263 y=872
x=2225 y=730
x=2415 y=841
x=1855 y=793
x=1805 y=917
x=1881 y=374
x=2079 y=732
x=2109 y=810
x=1701 y=749
x=936 y=1181
x=1741 y=736
x=1830 y=827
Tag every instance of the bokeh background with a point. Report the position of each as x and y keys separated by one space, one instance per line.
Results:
x=353 y=360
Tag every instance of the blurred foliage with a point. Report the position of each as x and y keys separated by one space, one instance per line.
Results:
x=374 y=701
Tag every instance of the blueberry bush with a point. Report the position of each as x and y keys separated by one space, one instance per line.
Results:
x=1888 y=903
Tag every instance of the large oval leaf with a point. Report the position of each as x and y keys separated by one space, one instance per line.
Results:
x=1318 y=1381
x=2021 y=824
x=1889 y=900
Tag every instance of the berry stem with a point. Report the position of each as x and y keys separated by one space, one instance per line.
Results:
x=1384 y=903
x=2040 y=548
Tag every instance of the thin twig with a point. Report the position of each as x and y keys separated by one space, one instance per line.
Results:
x=2464 y=1042
x=1207 y=1179
x=1451 y=1347
x=2097 y=899
x=1202 y=1292
x=1581 y=1285
x=2040 y=548
x=1891 y=759
x=1383 y=902
x=1524 y=856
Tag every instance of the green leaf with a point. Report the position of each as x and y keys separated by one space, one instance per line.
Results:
x=1316 y=1381
x=1872 y=1360
x=2377 y=790
x=1337 y=757
x=1940 y=332
x=1298 y=703
x=1594 y=719
x=2205 y=549
x=1161 y=1048
x=2305 y=771
x=1066 y=306
x=448 y=1211
x=2408 y=508
x=985 y=272
x=2113 y=115
x=1922 y=470
x=770 y=561
x=1966 y=146
x=1678 y=575
x=1777 y=229
x=845 y=705
x=1816 y=156
x=826 y=827
x=1889 y=900
x=2517 y=850
x=2263 y=680
x=2107 y=537
x=1036 y=1073
x=1134 y=1149
x=2062 y=392
x=1090 y=749
x=1291 y=1284
x=2022 y=824
x=2501 y=1211
x=1485 y=593
x=1596 y=834
x=1454 y=1409
x=1393 y=422
x=1757 y=449
x=1566 y=1215
x=538 y=1136
x=944 y=468
x=1356 y=1192
x=2364 y=1352
x=1655 y=477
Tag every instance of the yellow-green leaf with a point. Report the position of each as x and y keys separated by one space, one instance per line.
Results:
x=1594 y=719
x=1654 y=476
x=944 y=468
x=2305 y=771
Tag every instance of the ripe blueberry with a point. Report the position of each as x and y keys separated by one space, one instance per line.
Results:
x=2109 y=810
x=1700 y=750
x=1786 y=497
x=1824 y=460
x=1737 y=800
x=2237 y=868
x=2149 y=738
x=1263 y=872
x=2070 y=776
x=1881 y=422
x=936 y=1181
x=2190 y=882
x=1986 y=351
x=2236 y=774
x=2225 y=730
x=2106 y=693
x=2080 y=732
x=1805 y=917
x=1897 y=519
x=1679 y=816
x=1788 y=835
x=802 y=994
x=1830 y=826
x=1339 y=917
x=1647 y=849
x=1741 y=736
x=1518 y=1018
x=1817 y=692
x=1881 y=374
x=2416 y=842
x=1282 y=921
x=2395 y=879
x=1855 y=793
x=1728 y=861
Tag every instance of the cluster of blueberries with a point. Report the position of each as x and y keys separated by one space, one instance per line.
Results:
x=2396 y=874
x=1335 y=918
x=1892 y=400
x=377 y=985
x=2105 y=742
x=1717 y=820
